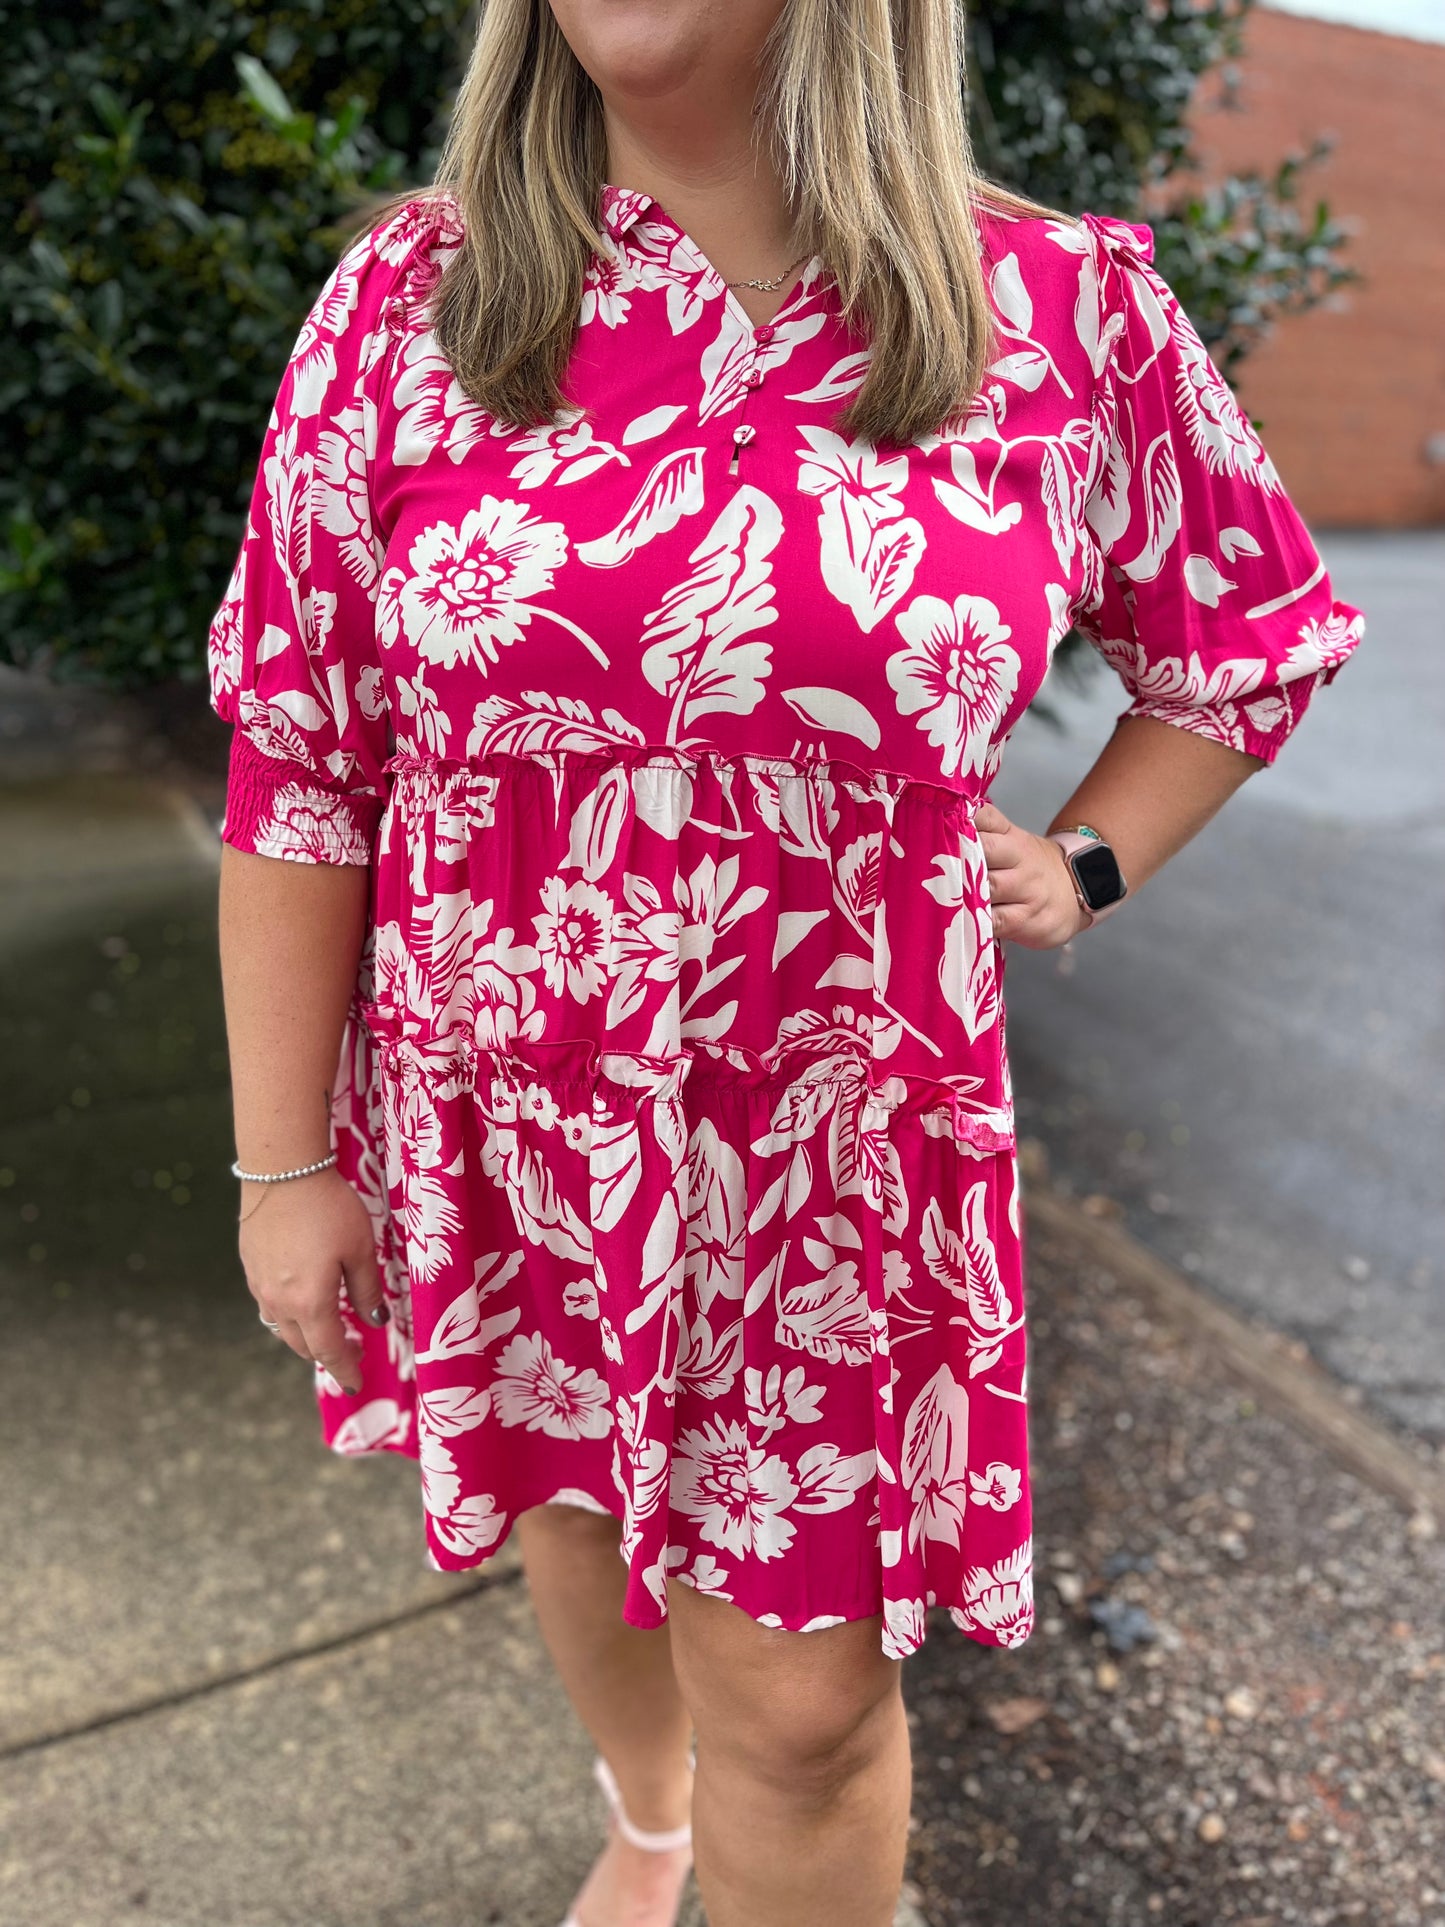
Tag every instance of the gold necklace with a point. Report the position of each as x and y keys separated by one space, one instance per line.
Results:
x=767 y=287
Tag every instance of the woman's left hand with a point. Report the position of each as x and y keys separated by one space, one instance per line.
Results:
x=1030 y=887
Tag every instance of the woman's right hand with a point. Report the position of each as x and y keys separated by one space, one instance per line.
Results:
x=300 y=1241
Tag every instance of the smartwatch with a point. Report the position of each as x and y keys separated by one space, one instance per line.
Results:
x=1098 y=881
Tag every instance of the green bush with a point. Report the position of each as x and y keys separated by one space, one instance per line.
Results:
x=174 y=172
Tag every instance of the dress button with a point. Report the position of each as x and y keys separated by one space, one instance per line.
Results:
x=744 y=433
x=764 y=334
x=755 y=378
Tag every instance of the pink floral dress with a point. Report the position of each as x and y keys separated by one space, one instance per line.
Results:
x=676 y=1080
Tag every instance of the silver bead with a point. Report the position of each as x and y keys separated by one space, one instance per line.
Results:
x=282 y=1177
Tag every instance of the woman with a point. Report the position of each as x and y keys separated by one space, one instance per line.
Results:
x=662 y=524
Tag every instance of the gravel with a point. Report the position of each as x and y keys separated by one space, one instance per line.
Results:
x=1233 y=1707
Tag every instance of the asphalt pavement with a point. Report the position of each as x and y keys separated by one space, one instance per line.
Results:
x=1250 y=1057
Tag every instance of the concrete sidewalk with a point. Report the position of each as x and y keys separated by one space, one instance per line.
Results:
x=232 y=1695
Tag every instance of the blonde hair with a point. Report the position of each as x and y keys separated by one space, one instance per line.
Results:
x=863 y=103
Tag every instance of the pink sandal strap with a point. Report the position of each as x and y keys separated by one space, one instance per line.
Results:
x=667 y=1842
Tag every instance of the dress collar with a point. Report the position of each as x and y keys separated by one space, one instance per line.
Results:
x=621 y=208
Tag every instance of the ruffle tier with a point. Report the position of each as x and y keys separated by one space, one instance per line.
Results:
x=646 y=903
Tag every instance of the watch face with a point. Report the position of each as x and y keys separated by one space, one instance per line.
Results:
x=1099 y=876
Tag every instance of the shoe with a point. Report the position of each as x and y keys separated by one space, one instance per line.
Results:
x=635 y=1836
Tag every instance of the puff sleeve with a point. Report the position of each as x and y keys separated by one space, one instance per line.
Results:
x=292 y=650
x=1205 y=592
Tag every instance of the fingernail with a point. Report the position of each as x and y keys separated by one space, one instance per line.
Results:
x=380 y=1314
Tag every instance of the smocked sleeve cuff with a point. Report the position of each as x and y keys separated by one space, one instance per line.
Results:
x=1260 y=726
x=277 y=808
x=1262 y=722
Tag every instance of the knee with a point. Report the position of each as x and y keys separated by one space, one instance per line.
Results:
x=808 y=1746
x=800 y=1733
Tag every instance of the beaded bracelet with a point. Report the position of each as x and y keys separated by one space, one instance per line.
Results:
x=281 y=1177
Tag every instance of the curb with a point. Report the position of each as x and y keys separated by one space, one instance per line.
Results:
x=1255 y=1354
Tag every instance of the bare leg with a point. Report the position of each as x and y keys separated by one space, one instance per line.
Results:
x=621 y=1683
x=803 y=1773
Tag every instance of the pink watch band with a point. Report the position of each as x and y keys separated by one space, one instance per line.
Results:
x=1070 y=841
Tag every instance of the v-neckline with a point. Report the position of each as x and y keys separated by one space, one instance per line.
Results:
x=735 y=307
x=649 y=207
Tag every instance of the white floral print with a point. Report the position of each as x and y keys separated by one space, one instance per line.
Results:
x=999 y=1600
x=998 y=1485
x=313 y=359
x=959 y=672
x=573 y=937
x=738 y=1493
x=465 y=593
x=869 y=548
x=343 y=496
x=305 y=826
x=533 y=1387
x=433 y=410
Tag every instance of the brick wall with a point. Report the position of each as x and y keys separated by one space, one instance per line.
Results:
x=1348 y=396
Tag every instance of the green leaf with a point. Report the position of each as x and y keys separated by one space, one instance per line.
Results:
x=264 y=92
x=108 y=106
